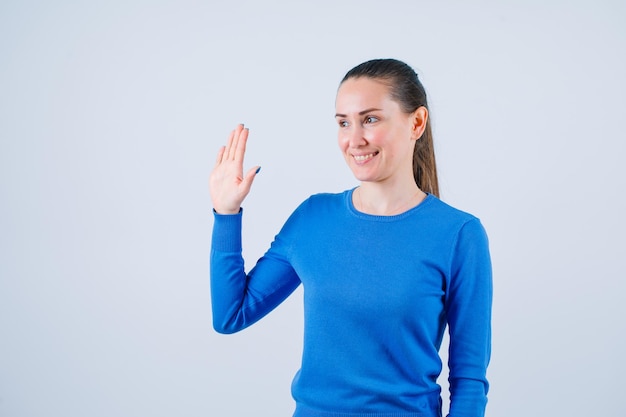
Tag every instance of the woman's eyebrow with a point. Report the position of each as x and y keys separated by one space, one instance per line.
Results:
x=361 y=113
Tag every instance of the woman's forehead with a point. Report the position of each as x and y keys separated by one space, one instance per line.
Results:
x=357 y=94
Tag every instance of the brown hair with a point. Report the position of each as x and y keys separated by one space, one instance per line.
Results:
x=408 y=91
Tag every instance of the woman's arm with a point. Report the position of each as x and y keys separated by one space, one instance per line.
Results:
x=468 y=309
x=240 y=299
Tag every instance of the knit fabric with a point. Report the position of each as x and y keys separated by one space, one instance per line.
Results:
x=378 y=294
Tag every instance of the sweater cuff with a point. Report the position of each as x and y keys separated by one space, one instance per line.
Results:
x=227 y=232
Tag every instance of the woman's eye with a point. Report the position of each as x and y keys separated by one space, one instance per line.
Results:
x=343 y=123
x=371 y=119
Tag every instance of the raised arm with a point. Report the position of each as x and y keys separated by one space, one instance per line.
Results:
x=239 y=299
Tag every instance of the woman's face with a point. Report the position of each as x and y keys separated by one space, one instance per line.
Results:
x=375 y=136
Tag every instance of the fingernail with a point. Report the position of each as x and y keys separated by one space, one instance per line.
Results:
x=257 y=170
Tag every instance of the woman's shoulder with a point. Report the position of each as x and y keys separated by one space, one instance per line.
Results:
x=315 y=208
x=445 y=213
x=447 y=209
x=321 y=204
x=325 y=199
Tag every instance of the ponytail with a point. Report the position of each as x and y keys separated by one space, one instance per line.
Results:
x=424 y=166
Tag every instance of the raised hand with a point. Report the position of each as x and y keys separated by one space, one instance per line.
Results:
x=228 y=186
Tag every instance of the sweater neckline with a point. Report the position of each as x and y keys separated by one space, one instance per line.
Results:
x=381 y=218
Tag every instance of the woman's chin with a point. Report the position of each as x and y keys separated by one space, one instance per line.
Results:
x=363 y=177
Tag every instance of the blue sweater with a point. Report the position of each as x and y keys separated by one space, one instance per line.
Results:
x=378 y=293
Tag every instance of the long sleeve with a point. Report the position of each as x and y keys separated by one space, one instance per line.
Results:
x=468 y=309
x=239 y=299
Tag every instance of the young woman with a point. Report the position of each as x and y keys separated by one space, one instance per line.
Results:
x=385 y=266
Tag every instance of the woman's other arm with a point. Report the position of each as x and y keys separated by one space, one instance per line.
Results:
x=468 y=309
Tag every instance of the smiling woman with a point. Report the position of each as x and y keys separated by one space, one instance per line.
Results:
x=385 y=266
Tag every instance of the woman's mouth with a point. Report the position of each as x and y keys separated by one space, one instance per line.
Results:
x=361 y=159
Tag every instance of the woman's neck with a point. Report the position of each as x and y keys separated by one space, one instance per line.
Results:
x=386 y=200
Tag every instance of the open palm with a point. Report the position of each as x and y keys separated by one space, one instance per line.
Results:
x=227 y=184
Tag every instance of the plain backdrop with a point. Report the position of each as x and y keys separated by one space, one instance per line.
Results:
x=111 y=115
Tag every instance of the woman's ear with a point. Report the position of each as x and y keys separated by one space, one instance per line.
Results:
x=418 y=122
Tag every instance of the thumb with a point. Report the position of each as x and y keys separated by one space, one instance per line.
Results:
x=249 y=178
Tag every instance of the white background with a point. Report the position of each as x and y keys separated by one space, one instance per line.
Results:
x=111 y=114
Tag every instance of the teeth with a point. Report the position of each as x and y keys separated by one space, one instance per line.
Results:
x=363 y=157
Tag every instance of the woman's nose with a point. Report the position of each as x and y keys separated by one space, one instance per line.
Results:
x=356 y=137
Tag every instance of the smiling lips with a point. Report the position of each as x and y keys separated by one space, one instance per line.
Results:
x=360 y=159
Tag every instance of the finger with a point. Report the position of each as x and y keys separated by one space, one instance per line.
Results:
x=229 y=144
x=241 y=145
x=220 y=154
x=249 y=178
x=233 y=144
